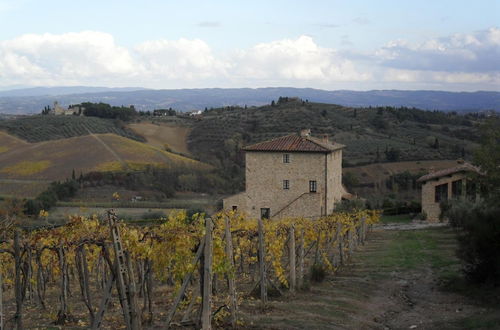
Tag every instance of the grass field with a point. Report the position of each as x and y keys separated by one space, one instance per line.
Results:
x=22 y=188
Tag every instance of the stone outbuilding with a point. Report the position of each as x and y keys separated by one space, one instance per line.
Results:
x=291 y=176
x=448 y=184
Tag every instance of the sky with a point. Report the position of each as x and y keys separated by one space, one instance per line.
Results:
x=358 y=45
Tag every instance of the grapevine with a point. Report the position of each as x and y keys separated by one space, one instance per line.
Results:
x=74 y=261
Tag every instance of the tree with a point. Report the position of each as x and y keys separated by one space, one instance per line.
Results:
x=436 y=144
x=379 y=122
x=487 y=157
x=392 y=155
x=479 y=222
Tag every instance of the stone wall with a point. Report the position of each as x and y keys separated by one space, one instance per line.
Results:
x=238 y=200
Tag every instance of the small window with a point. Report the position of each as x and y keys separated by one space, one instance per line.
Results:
x=441 y=193
x=456 y=189
x=265 y=213
x=286 y=184
x=313 y=186
x=286 y=158
x=235 y=208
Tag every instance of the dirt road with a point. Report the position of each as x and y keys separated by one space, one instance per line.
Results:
x=401 y=279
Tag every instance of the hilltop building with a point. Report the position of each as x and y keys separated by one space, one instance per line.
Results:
x=291 y=176
x=447 y=184
x=72 y=110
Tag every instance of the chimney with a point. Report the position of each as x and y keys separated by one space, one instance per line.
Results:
x=305 y=132
x=324 y=138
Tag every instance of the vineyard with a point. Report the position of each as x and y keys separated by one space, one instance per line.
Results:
x=43 y=128
x=183 y=272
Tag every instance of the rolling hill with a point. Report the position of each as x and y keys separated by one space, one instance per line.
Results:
x=33 y=165
x=370 y=134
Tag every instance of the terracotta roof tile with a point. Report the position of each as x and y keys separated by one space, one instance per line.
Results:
x=466 y=167
x=295 y=143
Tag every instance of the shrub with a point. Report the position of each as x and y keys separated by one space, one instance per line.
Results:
x=153 y=215
x=350 y=205
x=193 y=210
x=478 y=233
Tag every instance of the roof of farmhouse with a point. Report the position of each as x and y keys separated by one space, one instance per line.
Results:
x=296 y=143
x=465 y=167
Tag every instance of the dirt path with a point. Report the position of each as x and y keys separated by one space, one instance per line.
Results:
x=395 y=281
x=108 y=148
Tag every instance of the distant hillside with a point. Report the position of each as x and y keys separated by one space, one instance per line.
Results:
x=49 y=91
x=32 y=101
x=370 y=134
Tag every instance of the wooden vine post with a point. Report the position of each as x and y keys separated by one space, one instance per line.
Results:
x=121 y=271
x=341 y=243
x=185 y=283
x=293 y=280
x=230 y=277
x=262 y=265
x=206 y=314
x=363 y=230
x=18 y=317
x=122 y=275
x=1 y=302
x=301 y=259
x=350 y=241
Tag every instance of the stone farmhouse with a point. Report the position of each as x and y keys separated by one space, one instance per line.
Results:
x=291 y=176
x=447 y=184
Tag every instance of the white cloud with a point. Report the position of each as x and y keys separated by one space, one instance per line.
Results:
x=181 y=59
x=94 y=58
x=56 y=59
x=477 y=52
x=299 y=59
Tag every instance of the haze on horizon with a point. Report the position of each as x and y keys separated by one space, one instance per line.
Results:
x=358 y=45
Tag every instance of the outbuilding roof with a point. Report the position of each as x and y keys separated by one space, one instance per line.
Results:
x=465 y=167
x=295 y=143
